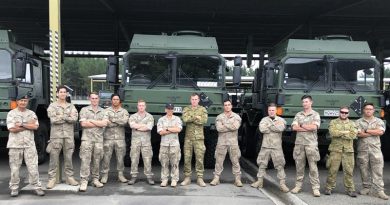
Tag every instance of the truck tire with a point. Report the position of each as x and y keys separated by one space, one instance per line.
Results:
x=211 y=139
x=40 y=137
x=249 y=141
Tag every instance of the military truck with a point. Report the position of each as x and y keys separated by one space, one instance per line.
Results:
x=334 y=70
x=22 y=71
x=167 y=69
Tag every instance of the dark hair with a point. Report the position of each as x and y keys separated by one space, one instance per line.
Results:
x=306 y=97
x=116 y=94
x=93 y=93
x=227 y=100
x=368 y=103
x=272 y=105
x=61 y=87
x=195 y=94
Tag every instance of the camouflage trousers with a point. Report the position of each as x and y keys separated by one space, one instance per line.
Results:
x=30 y=156
x=234 y=154
x=371 y=161
x=169 y=155
x=54 y=148
x=199 y=148
x=348 y=161
x=278 y=160
x=90 y=151
x=301 y=152
x=120 y=150
x=147 y=154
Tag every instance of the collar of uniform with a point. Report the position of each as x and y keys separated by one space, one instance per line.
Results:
x=374 y=119
x=343 y=121
x=58 y=104
x=308 y=114
x=91 y=109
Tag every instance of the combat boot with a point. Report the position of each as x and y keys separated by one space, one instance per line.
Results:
x=14 y=192
x=381 y=195
x=215 y=181
x=237 y=181
x=365 y=191
x=121 y=178
x=51 y=183
x=200 y=182
x=258 y=183
x=104 y=178
x=297 y=188
x=316 y=193
x=283 y=186
x=173 y=183
x=164 y=183
x=132 y=181
x=39 y=192
x=96 y=183
x=71 y=181
x=83 y=185
x=150 y=180
x=186 y=181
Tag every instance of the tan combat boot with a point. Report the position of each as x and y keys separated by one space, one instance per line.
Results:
x=132 y=181
x=173 y=183
x=215 y=181
x=83 y=185
x=164 y=183
x=381 y=195
x=200 y=182
x=283 y=186
x=96 y=183
x=71 y=181
x=51 y=183
x=258 y=183
x=237 y=181
x=297 y=188
x=186 y=181
x=121 y=177
x=150 y=180
x=365 y=191
x=104 y=178
x=316 y=193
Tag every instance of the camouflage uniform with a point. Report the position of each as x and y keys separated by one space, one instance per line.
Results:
x=61 y=136
x=114 y=138
x=271 y=146
x=21 y=146
x=306 y=146
x=227 y=127
x=91 y=143
x=341 y=151
x=141 y=142
x=370 y=155
x=169 y=148
x=194 y=139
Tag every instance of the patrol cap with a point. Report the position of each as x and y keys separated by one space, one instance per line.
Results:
x=169 y=106
x=22 y=96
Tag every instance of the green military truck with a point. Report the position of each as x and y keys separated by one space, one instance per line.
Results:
x=22 y=71
x=167 y=69
x=334 y=70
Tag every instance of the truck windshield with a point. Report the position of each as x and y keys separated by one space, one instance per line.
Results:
x=200 y=71
x=5 y=66
x=314 y=74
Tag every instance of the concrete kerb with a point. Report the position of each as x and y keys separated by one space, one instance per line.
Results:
x=271 y=186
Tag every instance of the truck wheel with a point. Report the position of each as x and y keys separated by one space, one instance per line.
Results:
x=249 y=141
x=211 y=139
x=40 y=137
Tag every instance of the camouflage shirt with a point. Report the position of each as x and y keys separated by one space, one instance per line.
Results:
x=173 y=138
x=307 y=138
x=272 y=130
x=24 y=138
x=62 y=120
x=342 y=142
x=227 y=127
x=141 y=138
x=116 y=129
x=364 y=143
x=194 y=126
x=93 y=134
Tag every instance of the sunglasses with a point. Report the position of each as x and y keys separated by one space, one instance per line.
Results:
x=346 y=113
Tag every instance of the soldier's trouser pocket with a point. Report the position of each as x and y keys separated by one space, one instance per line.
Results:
x=312 y=153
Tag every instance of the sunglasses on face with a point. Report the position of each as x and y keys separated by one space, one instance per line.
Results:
x=342 y=112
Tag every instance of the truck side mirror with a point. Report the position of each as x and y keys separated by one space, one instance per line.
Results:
x=237 y=71
x=20 y=65
x=112 y=72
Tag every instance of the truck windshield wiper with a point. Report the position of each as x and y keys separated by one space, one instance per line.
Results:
x=311 y=86
x=347 y=84
x=158 y=79
x=181 y=72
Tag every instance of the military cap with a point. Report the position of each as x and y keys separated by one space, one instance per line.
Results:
x=22 y=96
x=169 y=106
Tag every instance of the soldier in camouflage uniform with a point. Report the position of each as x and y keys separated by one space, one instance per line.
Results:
x=21 y=123
x=272 y=128
x=63 y=116
x=343 y=132
x=141 y=124
x=195 y=116
x=306 y=124
x=114 y=138
x=227 y=124
x=93 y=120
x=369 y=155
x=169 y=127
